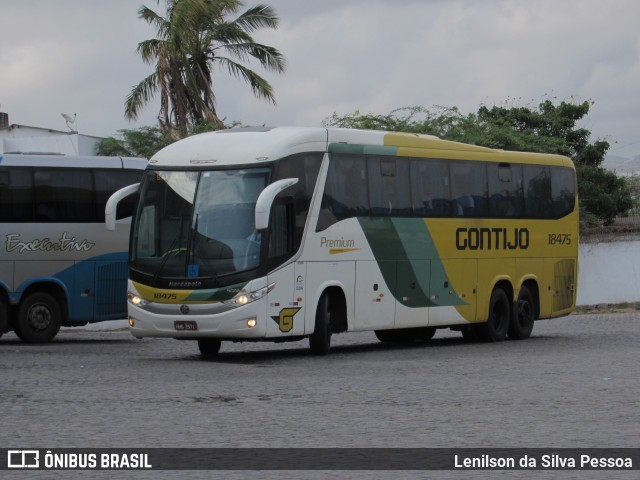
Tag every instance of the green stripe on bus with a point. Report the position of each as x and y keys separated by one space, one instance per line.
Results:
x=408 y=260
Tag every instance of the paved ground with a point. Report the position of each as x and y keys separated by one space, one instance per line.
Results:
x=573 y=384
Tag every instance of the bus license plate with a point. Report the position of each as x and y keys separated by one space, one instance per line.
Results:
x=185 y=325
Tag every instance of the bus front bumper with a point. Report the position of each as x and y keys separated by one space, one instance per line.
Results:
x=246 y=322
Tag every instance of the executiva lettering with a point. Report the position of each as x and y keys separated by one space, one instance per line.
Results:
x=492 y=238
x=63 y=244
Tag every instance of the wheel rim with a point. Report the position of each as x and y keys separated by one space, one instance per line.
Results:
x=39 y=317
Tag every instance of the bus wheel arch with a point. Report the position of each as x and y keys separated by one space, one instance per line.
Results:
x=526 y=310
x=40 y=314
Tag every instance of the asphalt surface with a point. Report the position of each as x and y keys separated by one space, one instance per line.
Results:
x=574 y=383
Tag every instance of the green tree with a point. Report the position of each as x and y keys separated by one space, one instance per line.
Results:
x=549 y=128
x=193 y=37
x=139 y=142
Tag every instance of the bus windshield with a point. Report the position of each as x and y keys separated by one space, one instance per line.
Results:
x=195 y=224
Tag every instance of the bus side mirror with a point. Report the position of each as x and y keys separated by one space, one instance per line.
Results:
x=265 y=200
x=112 y=205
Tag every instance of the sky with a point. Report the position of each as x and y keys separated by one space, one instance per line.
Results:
x=79 y=57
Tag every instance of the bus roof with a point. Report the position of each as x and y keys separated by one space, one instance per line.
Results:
x=241 y=146
x=245 y=146
x=36 y=160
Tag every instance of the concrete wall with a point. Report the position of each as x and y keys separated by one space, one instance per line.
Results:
x=609 y=271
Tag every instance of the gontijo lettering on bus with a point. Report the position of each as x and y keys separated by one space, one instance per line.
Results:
x=492 y=238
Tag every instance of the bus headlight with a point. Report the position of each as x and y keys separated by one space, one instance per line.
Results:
x=243 y=298
x=136 y=299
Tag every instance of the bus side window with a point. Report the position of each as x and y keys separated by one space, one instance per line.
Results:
x=346 y=192
x=281 y=242
x=537 y=183
x=563 y=190
x=469 y=189
x=107 y=182
x=505 y=190
x=430 y=194
x=64 y=195
x=305 y=167
x=389 y=185
x=16 y=195
x=5 y=197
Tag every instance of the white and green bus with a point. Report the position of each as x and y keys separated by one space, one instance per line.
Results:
x=58 y=265
x=290 y=233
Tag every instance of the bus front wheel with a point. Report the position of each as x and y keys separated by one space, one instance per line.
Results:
x=320 y=339
x=209 y=347
x=39 y=318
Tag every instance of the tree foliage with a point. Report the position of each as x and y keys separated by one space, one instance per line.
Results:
x=548 y=128
x=140 y=142
x=193 y=37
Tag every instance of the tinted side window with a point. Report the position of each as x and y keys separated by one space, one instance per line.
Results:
x=16 y=195
x=537 y=190
x=5 y=197
x=563 y=190
x=469 y=189
x=430 y=192
x=63 y=195
x=506 y=198
x=389 y=185
x=107 y=182
x=346 y=193
x=305 y=167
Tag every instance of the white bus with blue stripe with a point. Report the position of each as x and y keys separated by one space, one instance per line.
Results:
x=58 y=265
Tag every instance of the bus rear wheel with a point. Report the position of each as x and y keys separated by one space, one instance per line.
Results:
x=522 y=323
x=39 y=318
x=320 y=339
x=209 y=347
x=495 y=330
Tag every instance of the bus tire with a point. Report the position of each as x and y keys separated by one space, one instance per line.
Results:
x=39 y=318
x=385 y=336
x=4 y=316
x=495 y=330
x=320 y=339
x=522 y=322
x=209 y=347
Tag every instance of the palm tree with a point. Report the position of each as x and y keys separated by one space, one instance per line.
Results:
x=193 y=37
